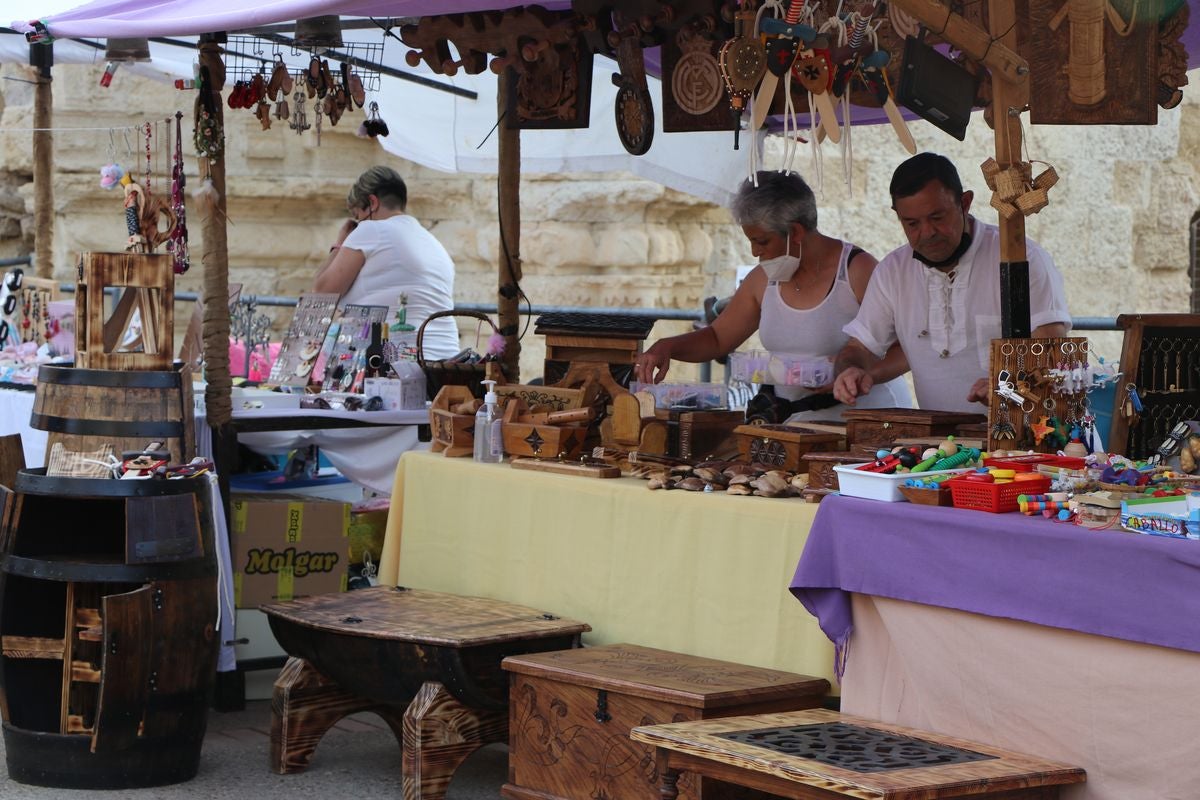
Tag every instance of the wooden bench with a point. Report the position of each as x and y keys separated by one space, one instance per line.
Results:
x=822 y=755
x=428 y=663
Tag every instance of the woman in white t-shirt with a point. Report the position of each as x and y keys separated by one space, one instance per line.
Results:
x=382 y=252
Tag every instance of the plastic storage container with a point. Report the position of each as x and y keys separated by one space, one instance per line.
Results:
x=779 y=369
x=876 y=486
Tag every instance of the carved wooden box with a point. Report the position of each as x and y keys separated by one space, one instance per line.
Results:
x=820 y=467
x=570 y=713
x=882 y=426
x=784 y=446
x=699 y=435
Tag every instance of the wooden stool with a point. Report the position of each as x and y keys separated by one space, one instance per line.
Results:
x=819 y=755
x=428 y=663
x=571 y=713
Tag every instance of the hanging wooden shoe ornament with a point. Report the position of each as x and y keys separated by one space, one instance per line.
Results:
x=784 y=38
x=742 y=62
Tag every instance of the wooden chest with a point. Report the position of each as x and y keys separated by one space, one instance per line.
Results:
x=570 y=713
x=784 y=446
x=882 y=426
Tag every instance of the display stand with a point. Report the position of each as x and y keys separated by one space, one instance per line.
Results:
x=1160 y=372
x=1030 y=365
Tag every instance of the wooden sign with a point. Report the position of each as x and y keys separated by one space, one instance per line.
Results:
x=693 y=93
x=553 y=92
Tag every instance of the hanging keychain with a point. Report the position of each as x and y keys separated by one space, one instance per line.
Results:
x=177 y=245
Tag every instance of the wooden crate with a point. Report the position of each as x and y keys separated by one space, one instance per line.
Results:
x=882 y=426
x=784 y=446
x=453 y=434
x=570 y=714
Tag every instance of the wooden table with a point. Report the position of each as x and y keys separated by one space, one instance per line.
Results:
x=820 y=755
x=428 y=663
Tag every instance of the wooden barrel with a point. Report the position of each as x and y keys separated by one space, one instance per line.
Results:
x=108 y=603
x=86 y=409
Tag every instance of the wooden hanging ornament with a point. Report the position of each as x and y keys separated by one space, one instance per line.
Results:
x=743 y=62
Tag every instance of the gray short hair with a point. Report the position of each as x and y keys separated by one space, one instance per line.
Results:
x=383 y=182
x=778 y=201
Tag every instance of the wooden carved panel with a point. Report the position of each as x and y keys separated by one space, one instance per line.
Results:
x=1094 y=62
x=693 y=95
x=553 y=92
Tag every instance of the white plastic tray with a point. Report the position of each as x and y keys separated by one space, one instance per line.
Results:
x=875 y=486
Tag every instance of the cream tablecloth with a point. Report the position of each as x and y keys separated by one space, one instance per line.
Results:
x=704 y=574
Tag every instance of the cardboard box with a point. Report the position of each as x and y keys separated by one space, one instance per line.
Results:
x=287 y=547
x=397 y=394
x=365 y=546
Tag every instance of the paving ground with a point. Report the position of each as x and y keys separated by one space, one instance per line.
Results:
x=358 y=759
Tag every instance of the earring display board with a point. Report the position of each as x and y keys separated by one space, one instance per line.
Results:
x=1038 y=394
x=31 y=311
x=348 y=356
x=1160 y=380
x=302 y=342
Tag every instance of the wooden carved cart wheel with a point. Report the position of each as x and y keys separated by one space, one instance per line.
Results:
x=635 y=119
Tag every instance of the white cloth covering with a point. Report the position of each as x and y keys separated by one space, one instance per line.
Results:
x=945 y=322
x=817 y=333
x=404 y=258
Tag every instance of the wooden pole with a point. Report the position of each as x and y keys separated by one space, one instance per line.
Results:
x=1009 y=99
x=215 y=259
x=508 y=301
x=41 y=57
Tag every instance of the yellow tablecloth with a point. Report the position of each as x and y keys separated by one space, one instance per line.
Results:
x=704 y=574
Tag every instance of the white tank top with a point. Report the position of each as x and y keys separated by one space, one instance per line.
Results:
x=817 y=333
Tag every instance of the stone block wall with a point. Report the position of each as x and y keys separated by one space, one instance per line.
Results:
x=1117 y=223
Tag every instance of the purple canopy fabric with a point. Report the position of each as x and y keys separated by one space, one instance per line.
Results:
x=1109 y=583
x=144 y=18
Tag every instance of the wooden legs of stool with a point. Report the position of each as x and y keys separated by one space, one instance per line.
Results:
x=436 y=733
x=304 y=705
x=439 y=734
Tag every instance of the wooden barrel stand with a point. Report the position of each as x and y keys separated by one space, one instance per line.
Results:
x=108 y=597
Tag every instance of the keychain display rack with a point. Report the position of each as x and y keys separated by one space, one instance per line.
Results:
x=347 y=357
x=1160 y=380
x=247 y=56
x=1038 y=393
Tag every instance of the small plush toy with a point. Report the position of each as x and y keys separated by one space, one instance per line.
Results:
x=110 y=176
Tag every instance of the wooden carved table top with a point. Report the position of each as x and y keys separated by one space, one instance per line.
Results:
x=415 y=615
x=816 y=752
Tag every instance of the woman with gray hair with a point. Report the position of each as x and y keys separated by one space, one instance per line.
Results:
x=381 y=253
x=805 y=288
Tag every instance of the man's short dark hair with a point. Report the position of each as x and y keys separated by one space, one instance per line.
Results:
x=917 y=172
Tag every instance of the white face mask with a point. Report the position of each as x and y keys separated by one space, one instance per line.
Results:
x=781 y=268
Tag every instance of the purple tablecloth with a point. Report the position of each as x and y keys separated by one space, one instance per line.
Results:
x=1110 y=583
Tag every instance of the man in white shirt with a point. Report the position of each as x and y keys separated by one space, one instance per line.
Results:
x=939 y=296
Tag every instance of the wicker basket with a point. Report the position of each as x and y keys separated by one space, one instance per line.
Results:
x=454 y=373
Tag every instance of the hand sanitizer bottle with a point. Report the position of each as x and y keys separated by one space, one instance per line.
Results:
x=489 y=439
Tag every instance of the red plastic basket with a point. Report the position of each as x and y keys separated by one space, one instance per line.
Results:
x=1031 y=461
x=997 y=498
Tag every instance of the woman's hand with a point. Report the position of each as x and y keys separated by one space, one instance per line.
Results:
x=344 y=231
x=652 y=365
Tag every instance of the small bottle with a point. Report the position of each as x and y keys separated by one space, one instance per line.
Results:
x=489 y=441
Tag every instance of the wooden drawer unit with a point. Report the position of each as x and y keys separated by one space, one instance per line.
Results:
x=882 y=426
x=570 y=713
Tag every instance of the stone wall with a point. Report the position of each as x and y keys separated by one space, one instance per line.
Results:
x=1117 y=223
